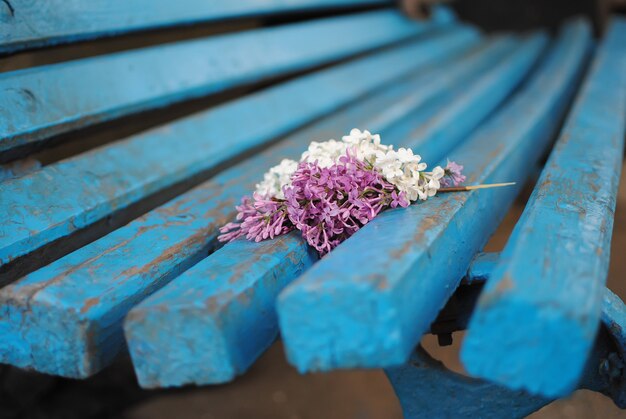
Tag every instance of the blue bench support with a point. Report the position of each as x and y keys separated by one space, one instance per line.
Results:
x=553 y=269
x=27 y=25
x=368 y=303
x=456 y=395
x=91 y=290
x=156 y=330
x=79 y=191
x=44 y=101
x=427 y=389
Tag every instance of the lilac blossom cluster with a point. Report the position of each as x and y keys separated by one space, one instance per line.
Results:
x=335 y=189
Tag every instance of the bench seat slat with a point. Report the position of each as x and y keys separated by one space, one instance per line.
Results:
x=368 y=302
x=554 y=267
x=79 y=191
x=43 y=101
x=92 y=289
x=231 y=307
x=28 y=24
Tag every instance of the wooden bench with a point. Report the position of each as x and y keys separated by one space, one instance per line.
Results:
x=112 y=247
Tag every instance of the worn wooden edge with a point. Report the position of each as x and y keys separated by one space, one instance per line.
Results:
x=613 y=315
x=554 y=267
x=44 y=101
x=72 y=194
x=368 y=302
x=26 y=25
x=233 y=290
x=100 y=283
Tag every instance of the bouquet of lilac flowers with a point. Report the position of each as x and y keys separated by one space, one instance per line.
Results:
x=335 y=189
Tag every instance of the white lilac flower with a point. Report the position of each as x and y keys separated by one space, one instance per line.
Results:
x=326 y=153
x=388 y=164
x=432 y=182
x=367 y=145
x=405 y=170
x=399 y=167
x=275 y=178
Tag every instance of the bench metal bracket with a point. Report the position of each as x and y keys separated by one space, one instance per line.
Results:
x=456 y=395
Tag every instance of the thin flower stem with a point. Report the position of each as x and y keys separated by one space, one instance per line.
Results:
x=472 y=187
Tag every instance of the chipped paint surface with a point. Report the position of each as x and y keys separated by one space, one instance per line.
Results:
x=101 y=282
x=35 y=103
x=337 y=315
x=69 y=195
x=213 y=321
x=556 y=261
x=26 y=24
x=405 y=105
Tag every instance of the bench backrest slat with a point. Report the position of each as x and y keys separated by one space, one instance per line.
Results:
x=27 y=24
x=368 y=303
x=43 y=101
x=554 y=267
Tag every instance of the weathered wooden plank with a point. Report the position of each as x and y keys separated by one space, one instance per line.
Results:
x=613 y=315
x=263 y=269
x=43 y=101
x=66 y=318
x=553 y=269
x=29 y=24
x=369 y=301
x=64 y=197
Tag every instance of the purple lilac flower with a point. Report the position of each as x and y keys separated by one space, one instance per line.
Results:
x=453 y=175
x=259 y=218
x=330 y=204
x=327 y=204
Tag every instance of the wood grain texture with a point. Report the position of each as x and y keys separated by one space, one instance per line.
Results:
x=368 y=302
x=30 y=23
x=39 y=102
x=91 y=290
x=64 y=197
x=156 y=330
x=554 y=267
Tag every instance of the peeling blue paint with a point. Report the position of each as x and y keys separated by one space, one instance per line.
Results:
x=28 y=25
x=39 y=102
x=553 y=269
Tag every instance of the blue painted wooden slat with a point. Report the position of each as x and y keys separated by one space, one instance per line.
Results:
x=28 y=24
x=166 y=329
x=43 y=101
x=69 y=195
x=369 y=301
x=613 y=315
x=553 y=269
x=82 y=298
